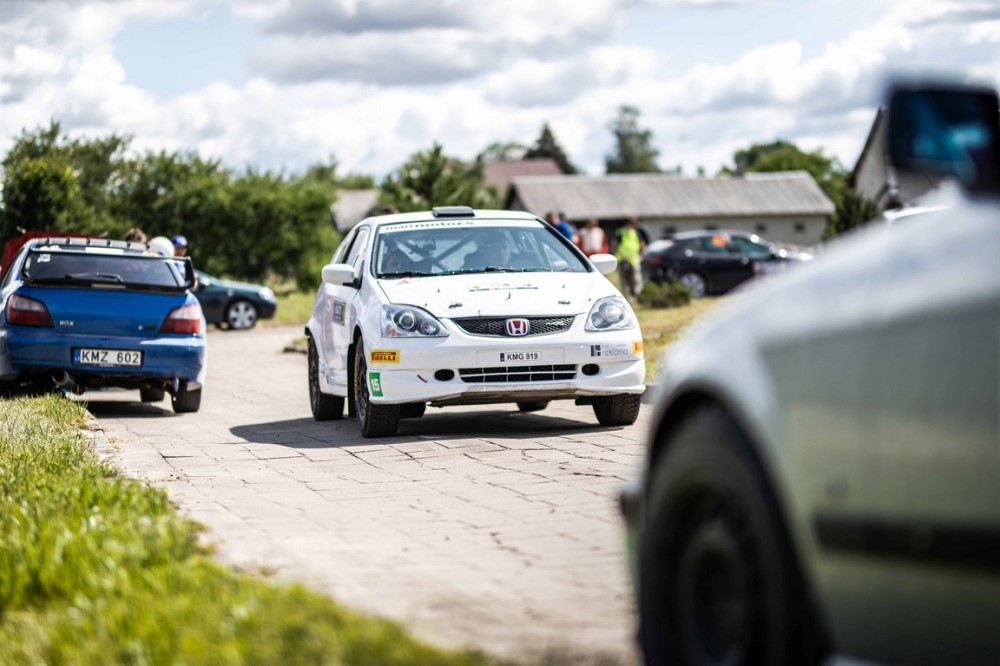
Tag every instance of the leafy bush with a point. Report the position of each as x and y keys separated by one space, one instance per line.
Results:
x=669 y=294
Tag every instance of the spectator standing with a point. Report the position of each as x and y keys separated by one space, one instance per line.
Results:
x=561 y=225
x=160 y=245
x=593 y=240
x=180 y=245
x=135 y=235
x=566 y=228
x=628 y=249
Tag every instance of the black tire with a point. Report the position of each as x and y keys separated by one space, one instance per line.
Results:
x=694 y=282
x=8 y=388
x=718 y=584
x=375 y=420
x=617 y=410
x=185 y=400
x=324 y=407
x=412 y=410
x=532 y=405
x=241 y=315
x=152 y=394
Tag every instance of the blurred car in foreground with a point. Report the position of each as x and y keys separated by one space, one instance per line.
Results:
x=234 y=305
x=714 y=262
x=82 y=313
x=461 y=307
x=823 y=466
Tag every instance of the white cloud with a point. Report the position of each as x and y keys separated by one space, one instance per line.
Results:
x=372 y=81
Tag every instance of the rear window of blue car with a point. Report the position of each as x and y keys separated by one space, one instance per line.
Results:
x=103 y=268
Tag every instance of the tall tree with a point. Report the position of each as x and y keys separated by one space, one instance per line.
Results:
x=547 y=146
x=503 y=151
x=251 y=225
x=852 y=209
x=431 y=178
x=52 y=182
x=634 y=151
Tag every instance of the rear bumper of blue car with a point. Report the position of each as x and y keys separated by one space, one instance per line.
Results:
x=25 y=351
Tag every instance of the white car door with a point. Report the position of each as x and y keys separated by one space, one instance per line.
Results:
x=336 y=312
x=344 y=311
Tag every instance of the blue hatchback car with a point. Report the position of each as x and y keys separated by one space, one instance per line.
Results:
x=86 y=313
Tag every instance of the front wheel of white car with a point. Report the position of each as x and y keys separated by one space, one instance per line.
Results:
x=617 y=410
x=375 y=420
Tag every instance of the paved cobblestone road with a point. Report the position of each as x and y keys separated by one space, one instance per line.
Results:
x=474 y=526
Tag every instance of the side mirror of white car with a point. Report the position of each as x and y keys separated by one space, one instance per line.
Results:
x=604 y=263
x=338 y=274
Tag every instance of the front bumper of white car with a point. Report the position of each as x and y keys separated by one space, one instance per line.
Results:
x=462 y=369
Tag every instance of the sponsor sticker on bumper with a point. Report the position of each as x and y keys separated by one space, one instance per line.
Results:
x=384 y=356
x=375 y=383
x=637 y=347
x=611 y=351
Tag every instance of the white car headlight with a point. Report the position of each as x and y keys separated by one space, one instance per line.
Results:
x=266 y=294
x=611 y=313
x=407 y=321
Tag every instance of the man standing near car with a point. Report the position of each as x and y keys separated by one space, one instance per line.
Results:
x=180 y=245
x=628 y=250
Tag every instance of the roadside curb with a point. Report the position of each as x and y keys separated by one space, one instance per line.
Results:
x=100 y=443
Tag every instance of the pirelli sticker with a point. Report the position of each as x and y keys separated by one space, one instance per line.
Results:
x=384 y=356
x=637 y=347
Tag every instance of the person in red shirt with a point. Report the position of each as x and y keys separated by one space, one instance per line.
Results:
x=593 y=240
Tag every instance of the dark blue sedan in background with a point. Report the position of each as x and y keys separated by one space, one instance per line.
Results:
x=234 y=305
x=85 y=313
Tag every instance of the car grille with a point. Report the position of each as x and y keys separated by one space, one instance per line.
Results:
x=496 y=326
x=518 y=373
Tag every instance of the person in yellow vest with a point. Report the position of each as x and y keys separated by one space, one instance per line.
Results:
x=629 y=246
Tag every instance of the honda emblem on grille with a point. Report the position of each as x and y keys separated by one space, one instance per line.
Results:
x=517 y=326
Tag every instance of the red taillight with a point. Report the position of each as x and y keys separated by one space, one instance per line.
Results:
x=185 y=319
x=23 y=311
x=654 y=260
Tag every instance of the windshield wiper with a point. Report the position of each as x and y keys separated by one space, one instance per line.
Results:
x=404 y=274
x=96 y=277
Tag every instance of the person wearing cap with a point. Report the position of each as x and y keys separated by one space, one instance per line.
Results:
x=180 y=245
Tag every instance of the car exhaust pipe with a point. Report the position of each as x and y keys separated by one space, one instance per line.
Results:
x=63 y=380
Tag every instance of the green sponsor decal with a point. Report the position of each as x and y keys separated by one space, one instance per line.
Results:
x=375 y=381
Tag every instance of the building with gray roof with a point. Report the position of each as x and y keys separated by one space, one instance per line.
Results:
x=786 y=207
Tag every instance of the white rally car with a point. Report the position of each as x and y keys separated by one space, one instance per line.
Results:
x=458 y=307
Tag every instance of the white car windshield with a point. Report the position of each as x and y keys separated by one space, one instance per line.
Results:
x=434 y=248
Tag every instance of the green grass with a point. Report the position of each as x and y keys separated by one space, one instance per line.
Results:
x=661 y=326
x=95 y=568
x=293 y=308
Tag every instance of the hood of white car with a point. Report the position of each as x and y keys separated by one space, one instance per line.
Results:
x=501 y=294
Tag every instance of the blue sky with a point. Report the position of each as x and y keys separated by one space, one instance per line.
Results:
x=281 y=84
